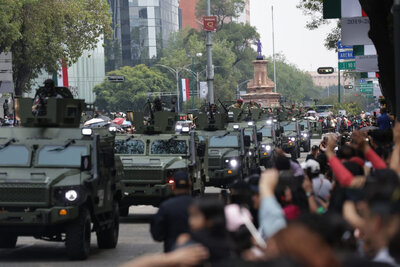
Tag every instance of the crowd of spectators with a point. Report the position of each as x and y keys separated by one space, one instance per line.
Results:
x=341 y=207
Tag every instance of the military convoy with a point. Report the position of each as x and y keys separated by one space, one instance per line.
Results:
x=58 y=182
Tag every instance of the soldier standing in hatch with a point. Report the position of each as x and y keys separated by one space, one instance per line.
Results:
x=5 y=108
x=238 y=104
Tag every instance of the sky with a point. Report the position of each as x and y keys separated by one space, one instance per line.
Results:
x=301 y=47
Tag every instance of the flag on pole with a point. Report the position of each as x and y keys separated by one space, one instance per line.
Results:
x=62 y=75
x=336 y=9
x=185 y=90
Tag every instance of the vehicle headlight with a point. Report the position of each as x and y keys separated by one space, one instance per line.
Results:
x=292 y=139
x=87 y=131
x=275 y=120
x=269 y=122
x=233 y=163
x=236 y=126
x=305 y=134
x=185 y=129
x=250 y=123
x=71 y=195
x=268 y=147
x=178 y=127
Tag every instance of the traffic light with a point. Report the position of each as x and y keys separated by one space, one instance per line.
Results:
x=325 y=70
x=116 y=79
x=348 y=86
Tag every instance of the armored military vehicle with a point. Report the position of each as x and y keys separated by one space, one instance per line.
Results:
x=228 y=149
x=269 y=140
x=290 y=137
x=152 y=154
x=58 y=182
x=305 y=134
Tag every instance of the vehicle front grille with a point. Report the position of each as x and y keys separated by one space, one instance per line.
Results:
x=214 y=162
x=145 y=176
x=23 y=193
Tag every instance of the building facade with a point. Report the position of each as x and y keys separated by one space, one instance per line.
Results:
x=244 y=17
x=141 y=29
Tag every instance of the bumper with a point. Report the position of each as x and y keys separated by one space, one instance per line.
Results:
x=43 y=217
x=145 y=195
x=288 y=147
x=304 y=141
x=222 y=177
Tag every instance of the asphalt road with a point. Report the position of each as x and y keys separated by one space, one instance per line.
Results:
x=134 y=240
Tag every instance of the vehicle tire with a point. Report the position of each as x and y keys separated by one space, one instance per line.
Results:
x=108 y=238
x=307 y=147
x=298 y=152
x=78 y=235
x=8 y=241
x=293 y=153
x=124 y=211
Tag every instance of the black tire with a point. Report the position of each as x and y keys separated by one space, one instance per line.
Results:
x=8 y=241
x=293 y=153
x=298 y=152
x=108 y=238
x=307 y=147
x=78 y=235
x=124 y=211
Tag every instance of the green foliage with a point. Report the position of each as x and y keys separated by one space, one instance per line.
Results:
x=314 y=9
x=225 y=10
x=133 y=93
x=41 y=33
x=293 y=83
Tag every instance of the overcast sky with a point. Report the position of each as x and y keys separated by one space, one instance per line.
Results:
x=301 y=46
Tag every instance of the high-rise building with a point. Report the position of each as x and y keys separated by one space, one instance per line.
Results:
x=141 y=29
x=188 y=9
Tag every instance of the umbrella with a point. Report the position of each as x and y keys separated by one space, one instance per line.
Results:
x=311 y=112
x=118 y=121
x=92 y=121
x=126 y=123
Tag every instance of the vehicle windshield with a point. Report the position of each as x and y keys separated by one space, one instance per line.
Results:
x=266 y=132
x=14 y=156
x=169 y=147
x=290 y=127
x=61 y=156
x=224 y=141
x=305 y=124
x=131 y=147
x=249 y=133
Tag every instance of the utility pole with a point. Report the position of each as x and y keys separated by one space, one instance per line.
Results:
x=338 y=85
x=273 y=47
x=210 y=69
x=396 y=24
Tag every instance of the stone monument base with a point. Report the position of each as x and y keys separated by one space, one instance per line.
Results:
x=266 y=100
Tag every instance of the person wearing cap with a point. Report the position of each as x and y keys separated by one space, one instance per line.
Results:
x=171 y=219
x=238 y=104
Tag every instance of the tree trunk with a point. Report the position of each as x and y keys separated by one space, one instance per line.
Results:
x=381 y=34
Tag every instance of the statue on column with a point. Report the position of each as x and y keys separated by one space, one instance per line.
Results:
x=259 y=50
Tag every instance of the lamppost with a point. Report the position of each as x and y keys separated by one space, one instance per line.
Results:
x=198 y=55
x=176 y=73
x=238 y=86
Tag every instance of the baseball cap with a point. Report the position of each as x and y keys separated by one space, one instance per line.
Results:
x=181 y=179
x=311 y=164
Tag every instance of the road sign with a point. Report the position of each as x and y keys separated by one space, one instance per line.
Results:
x=367 y=88
x=325 y=70
x=116 y=79
x=210 y=23
x=346 y=54
x=342 y=47
x=347 y=65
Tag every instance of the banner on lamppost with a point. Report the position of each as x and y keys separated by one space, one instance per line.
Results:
x=185 y=90
x=203 y=90
x=210 y=23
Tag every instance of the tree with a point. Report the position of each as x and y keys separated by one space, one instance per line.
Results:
x=293 y=83
x=44 y=32
x=133 y=93
x=224 y=10
x=381 y=34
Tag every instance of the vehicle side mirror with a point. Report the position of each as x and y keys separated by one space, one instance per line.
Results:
x=201 y=150
x=259 y=137
x=86 y=163
x=247 y=141
x=301 y=127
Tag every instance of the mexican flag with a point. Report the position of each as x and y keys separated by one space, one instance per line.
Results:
x=185 y=89
x=61 y=78
x=336 y=9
